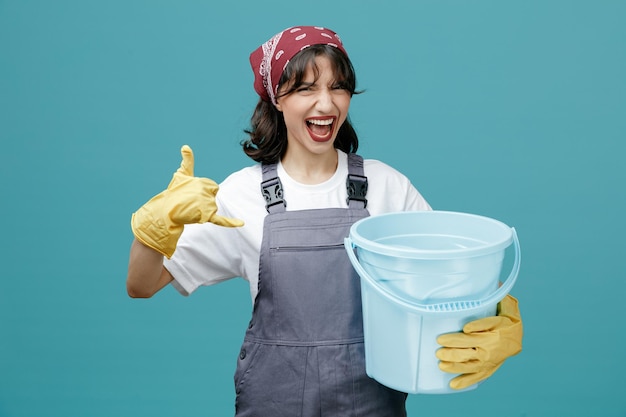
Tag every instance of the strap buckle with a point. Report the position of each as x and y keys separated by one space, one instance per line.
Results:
x=272 y=191
x=357 y=188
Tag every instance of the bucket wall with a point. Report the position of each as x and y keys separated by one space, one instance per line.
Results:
x=400 y=343
x=431 y=281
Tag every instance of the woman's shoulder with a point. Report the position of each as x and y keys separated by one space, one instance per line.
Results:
x=242 y=186
x=240 y=196
x=390 y=189
x=376 y=168
x=243 y=176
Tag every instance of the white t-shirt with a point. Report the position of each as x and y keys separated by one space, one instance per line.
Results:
x=207 y=254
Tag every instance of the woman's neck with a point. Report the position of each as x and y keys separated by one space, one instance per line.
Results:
x=312 y=169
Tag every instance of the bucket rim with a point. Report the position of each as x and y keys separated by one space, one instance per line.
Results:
x=361 y=242
x=450 y=307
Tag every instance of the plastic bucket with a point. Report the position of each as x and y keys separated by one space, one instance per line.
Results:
x=424 y=274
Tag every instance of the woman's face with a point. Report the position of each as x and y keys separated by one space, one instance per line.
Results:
x=315 y=111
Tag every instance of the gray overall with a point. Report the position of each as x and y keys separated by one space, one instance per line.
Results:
x=303 y=353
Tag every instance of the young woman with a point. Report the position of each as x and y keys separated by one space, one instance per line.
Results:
x=281 y=226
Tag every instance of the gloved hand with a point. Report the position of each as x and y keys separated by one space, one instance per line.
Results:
x=159 y=223
x=483 y=346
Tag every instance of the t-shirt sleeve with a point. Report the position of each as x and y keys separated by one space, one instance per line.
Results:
x=206 y=254
x=414 y=201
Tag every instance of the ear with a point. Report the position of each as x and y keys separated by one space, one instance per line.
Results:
x=278 y=106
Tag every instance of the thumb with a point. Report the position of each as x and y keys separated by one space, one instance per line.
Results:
x=186 y=166
x=486 y=324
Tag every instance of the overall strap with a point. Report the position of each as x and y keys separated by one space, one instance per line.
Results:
x=356 y=183
x=272 y=189
x=356 y=186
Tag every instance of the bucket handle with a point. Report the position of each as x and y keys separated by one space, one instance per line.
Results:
x=494 y=298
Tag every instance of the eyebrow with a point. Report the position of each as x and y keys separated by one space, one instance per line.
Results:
x=315 y=82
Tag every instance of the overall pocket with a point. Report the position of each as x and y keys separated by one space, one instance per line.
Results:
x=269 y=380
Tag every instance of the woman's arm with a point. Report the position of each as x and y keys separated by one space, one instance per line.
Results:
x=146 y=274
x=159 y=223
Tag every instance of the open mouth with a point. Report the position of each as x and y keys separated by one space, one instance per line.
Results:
x=320 y=129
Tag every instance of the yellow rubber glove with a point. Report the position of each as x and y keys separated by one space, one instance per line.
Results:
x=159 y=223
x=483 y=346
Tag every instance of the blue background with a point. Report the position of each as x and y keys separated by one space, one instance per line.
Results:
x=510 y=109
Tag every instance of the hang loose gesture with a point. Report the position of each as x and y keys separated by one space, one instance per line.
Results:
x=159 y=223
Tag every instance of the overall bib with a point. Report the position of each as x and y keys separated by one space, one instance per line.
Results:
x=303 y=353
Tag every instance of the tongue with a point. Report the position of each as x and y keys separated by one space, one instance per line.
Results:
x=320 y=130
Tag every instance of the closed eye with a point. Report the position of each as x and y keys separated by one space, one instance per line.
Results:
x=305 y=87
x=340 y=86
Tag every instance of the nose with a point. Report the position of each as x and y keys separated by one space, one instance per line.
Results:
x=324 y=101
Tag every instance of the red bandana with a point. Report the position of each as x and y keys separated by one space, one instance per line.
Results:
x=270 y=59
